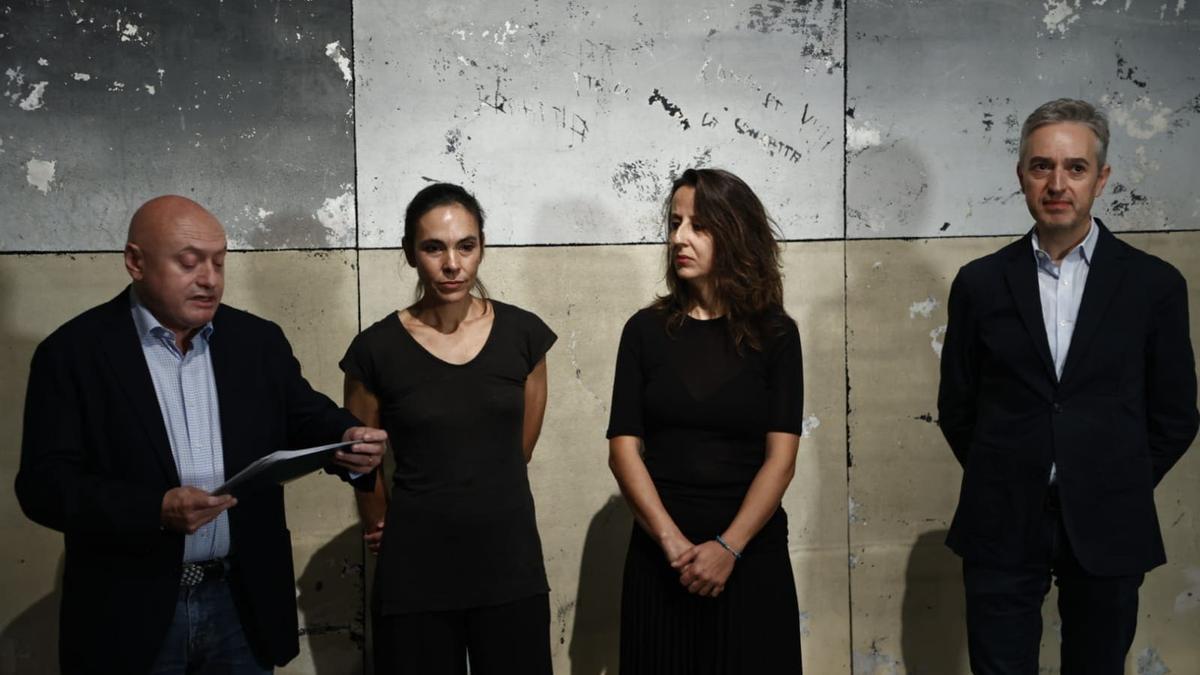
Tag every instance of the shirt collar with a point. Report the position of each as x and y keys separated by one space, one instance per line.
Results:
x=1085 y=248
x=149 y=327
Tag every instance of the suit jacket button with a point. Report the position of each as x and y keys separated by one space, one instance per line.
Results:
x=1057 y=407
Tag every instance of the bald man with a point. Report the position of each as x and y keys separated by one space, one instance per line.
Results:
x=136 y=411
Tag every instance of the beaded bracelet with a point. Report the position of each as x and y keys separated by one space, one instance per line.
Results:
x=737 y=555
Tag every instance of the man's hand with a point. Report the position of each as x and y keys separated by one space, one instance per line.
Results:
x=704 y=569
x=364 y=456
x=187 y=509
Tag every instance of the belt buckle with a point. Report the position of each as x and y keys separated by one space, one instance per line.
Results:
x=194 y=573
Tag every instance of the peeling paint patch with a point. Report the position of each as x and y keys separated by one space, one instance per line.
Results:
x=1059 y=15
x=1189 y=600
x=334 y=51
x=672 y=109
x=853 y=561
x=43 y=62
x=150 y=89
x=1142 y=120
x=805 y=617
x=853 y=512
x=875 y=662
x=81 y=77
x=1149 y=662
x=34 y=100
x=936 y=339
x=924 y=308
x=861 y=137
x=809 y=425
x=40 y=174
x=338 y=213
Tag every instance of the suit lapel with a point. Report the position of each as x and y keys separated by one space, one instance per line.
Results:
x=1105 y=273
x=1021 y=275
x=229 y=372
x=123 y=348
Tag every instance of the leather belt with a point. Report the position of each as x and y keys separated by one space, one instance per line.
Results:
x=195 y=573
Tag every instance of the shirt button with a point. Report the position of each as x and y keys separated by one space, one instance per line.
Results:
x=1062 y=323
x=1066 y=283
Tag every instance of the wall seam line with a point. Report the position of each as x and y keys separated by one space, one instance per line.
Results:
x=846 y=313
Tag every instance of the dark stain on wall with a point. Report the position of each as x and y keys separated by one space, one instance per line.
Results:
x=245 y=106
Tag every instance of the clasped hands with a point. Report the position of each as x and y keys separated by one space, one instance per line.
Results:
x=186 y=509
x=703 y=568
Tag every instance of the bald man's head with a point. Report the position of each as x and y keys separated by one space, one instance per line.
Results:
x=175 y=254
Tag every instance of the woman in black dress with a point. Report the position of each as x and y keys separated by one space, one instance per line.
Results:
x=459 y=382
x=705 y=424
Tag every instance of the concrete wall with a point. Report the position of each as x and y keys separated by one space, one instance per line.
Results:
x=881 y=135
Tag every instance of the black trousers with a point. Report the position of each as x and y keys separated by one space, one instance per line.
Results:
x=1004 y=610
x=502 y=639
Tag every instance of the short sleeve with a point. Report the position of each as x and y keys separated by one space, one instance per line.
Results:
x=358 y=362
x=785 y=378
x=626 y=412
x=538 y=340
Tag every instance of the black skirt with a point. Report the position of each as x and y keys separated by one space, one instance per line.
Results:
x=752 y=628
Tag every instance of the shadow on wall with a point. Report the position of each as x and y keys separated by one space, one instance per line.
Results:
x=29 y=644
x=595 y=637
x=933 y=630
x=331 y=603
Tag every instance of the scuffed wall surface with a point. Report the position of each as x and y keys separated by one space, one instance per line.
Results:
x=245 y=106
x=550 y=112
x=575 y=114
x=937 y=92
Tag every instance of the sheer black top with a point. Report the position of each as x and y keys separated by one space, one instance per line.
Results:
x=703 y=411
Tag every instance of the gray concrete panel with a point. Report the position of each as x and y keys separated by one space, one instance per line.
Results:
x=244 y=106
x=572 y=118
x=938 y=90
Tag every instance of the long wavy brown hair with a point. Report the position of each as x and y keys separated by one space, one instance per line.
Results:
x=746 y=278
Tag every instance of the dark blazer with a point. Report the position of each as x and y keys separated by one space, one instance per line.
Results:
x=1122 y=415
x=96 y=461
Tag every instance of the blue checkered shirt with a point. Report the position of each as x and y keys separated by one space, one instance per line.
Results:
x=187 y=397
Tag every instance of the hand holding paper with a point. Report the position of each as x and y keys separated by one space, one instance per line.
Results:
x=366 y=454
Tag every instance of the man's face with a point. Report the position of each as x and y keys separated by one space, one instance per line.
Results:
x=1060 y=176
x=179 y=270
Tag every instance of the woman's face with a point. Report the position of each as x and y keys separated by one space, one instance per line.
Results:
x=447 y=252
x=691 y=244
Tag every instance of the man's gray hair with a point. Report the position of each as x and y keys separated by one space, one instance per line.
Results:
x=1069 y=110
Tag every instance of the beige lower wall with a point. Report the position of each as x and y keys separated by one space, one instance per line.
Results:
x=865 y=541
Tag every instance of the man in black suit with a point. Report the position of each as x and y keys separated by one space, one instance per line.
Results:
x=125 y=437
x=1068 y=390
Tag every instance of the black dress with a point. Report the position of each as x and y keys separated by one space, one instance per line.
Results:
x=460 y=531
x=703 y=411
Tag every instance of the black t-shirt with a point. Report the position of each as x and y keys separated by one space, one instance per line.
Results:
x=460 y=527
x=703 y=410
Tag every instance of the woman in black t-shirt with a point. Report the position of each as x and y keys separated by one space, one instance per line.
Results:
x=705 y=423
x=459 y=382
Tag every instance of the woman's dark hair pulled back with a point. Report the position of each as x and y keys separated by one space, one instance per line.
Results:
x=429 y=198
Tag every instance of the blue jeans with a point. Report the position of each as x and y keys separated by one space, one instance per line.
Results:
x=206 y=636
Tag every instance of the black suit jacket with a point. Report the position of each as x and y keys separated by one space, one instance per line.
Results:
x=96 y=461
x=1121 y=416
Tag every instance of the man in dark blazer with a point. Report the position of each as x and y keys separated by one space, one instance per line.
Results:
x=135 y=411
x=1068 y=389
